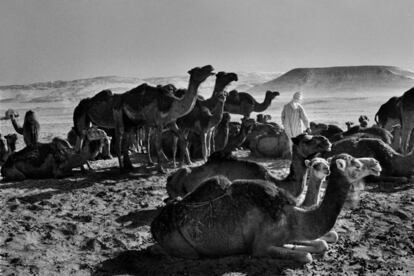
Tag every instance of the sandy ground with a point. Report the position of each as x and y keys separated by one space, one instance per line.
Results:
x=98 y=224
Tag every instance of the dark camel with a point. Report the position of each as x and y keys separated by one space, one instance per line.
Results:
x=398 y=110
x=396 y=167
x=44 y=160
x=221 y=218
x=142 y=106
x=221 y=133
x=243 y=103
x=304 y=147
x=202 y=120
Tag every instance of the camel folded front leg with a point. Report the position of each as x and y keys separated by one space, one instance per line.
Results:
x=286 y=254
x=317 y=246
x=330 y=237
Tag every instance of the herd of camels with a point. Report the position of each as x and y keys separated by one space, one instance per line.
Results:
x=225 y=206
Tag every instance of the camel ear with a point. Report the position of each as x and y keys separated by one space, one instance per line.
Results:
x=307 y=163
x=341 y=164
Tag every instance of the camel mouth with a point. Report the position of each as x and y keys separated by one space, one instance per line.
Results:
x=376 y=171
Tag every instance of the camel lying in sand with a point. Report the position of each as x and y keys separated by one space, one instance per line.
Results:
x=395 y=165
x=221 y=218
x=44 y=160
x=305 y=146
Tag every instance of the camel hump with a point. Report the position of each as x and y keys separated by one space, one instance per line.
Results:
x=102 y=96
x=264 y=194
x=233 y=97
x=147 y=94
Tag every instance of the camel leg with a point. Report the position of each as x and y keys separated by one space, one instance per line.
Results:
x=126 y=142
x=13 y=174
x=174 y=150
x=158 y=145
x=148 y=139
x=405 y=135
x=317 y=246
x=119 y=133
x=184 y=148
x=330 y=237
x=287 y=254
x=204 y=145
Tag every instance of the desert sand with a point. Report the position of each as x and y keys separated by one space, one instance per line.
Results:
x=99 y=224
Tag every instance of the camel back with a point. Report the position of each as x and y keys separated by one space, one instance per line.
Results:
x=145 y=94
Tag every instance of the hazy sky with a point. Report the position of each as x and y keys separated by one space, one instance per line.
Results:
x=56 y=39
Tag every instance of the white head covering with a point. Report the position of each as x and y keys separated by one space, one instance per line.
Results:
x=297 y=96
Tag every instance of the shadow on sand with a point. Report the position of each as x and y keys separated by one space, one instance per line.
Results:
x=147 y=262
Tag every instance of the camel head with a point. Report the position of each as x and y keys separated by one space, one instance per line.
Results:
x=11 y=141
x=349 y=124
x=354 y=169
x=317 y=128
x=363 y=120
x=310 y=145
x=318 y=167
x=225 y=79
x=200 y=74
x=271 y=95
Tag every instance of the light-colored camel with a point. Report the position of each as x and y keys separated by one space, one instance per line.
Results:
x=222 y=218
x=243 y=103
x=55 y=159
x=142 y=106
x=318 y=170
x=304 y=147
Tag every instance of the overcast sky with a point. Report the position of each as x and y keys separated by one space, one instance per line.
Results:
x=50 y=40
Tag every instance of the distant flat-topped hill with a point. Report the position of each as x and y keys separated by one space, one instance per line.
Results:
x=346 y=78
x=74 y=90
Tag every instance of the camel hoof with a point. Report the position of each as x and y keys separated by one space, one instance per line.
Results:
x=321 y=246
x=306 y=258
x=160 y=169
x=331 y=237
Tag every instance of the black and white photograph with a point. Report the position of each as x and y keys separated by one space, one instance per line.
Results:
x=207 y=137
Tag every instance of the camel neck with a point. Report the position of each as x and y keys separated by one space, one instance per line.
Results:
x=186 y=104
x=260 y=107
x=315 y=223
x=218 y=88
x=217 y=114
x=312 y=193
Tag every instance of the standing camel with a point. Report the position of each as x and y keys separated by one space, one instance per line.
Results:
x=243 y=103
x=142 y=106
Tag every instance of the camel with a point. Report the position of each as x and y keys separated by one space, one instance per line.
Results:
x=396 y=167
x=270 y=145
x=363 y=121
x=142 y=106
x=243 y=103
x=237 y=139
x=99 y=142
x=203 y=119
x=221 y=218
x=365 y=132
x=329 y=131
x=398 y=110
x=349 y=125
x=318 y=170
x=388 y=114
x=406 y=115
x=221 y=133
x=44 y=160
x=7 y=146
x=29 y=130
x=304 y=147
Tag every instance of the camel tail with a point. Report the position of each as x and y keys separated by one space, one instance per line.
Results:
x=80 y=116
